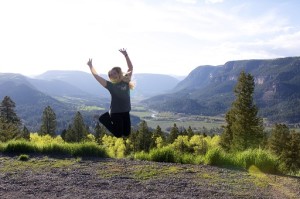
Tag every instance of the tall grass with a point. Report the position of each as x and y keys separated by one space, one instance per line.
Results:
x=87 y=149
x=262 y=159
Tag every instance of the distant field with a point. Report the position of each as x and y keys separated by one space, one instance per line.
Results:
x=167 y=119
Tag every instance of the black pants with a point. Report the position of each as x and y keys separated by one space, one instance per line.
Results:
x=117 y=123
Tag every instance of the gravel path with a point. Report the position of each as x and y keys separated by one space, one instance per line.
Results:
x=44 y=177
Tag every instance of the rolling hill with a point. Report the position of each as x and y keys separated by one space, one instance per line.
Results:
x=70 y=91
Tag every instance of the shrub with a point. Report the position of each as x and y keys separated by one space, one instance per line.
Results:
x=142 y=156
x=165 y=154
x=23 y=157
x=214 y=156
x=188 y=158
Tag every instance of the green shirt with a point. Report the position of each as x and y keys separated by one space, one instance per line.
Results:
x=120 y=96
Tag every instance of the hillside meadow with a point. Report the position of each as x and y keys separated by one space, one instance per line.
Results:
x=47 y=167
x=180 y=151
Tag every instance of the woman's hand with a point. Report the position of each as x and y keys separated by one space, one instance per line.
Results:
x=123 y=51
x=89 y=63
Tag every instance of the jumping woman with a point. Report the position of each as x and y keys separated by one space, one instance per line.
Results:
x=117 y=120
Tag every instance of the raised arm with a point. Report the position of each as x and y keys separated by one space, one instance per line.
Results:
x=101 y=80
x=129 y=64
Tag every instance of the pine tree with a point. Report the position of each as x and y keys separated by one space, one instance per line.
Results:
x=9 y=121
x=99 y=132
x=76 y=132
x=190 y=132
x=173 y=134
x=291 y=155
x=63 y=134
x=133 y=139
x=7 y=111
x=278 y=139
x=227 y=135
x=156 y=134
x=25 y=133
x=244 y=128
x=48 y=126
x=143 y=137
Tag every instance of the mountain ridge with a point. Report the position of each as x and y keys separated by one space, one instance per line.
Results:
x=208 y=90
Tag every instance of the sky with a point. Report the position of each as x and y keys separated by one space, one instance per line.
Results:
x=161 y=36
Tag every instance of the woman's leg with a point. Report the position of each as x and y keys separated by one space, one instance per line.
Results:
x=107 y=121
x=127 y=124
x=118 y=124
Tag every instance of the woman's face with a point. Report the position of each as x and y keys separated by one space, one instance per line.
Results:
x=114 y=76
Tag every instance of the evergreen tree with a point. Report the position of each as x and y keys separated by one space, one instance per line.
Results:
x=227 y=135
x=8 y=130
x=190 y=132
x=156 y=134
x=143 y=137
x=48 y=126
x=99 y=132
x=25 y=133
x=244 y=128
x=63 y=134
x=278 y=139
x=173 y=134
x=9 y=121
x=291 y=156
x=7 y=111
x=133 y=139
x=76 y=132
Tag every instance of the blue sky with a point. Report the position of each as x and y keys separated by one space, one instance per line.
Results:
x=165 y=37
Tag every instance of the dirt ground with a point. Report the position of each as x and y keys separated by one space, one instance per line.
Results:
x=46 y=177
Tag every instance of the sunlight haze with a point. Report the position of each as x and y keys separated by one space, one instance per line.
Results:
x=163 y=37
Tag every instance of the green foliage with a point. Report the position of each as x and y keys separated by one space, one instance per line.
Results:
x=88 y=149
x=56 y=149
x=142 y=156
x=158 y=138
x=165 y=154
x=291 y=156
x=25 y=133
x=278 y=139
x=142 y=138
x=9 y=121
x=99 y=132
x=216 y=156
x=181 y=144
x=199 y=144
x=173 y=134
x=262 y=159
x=7 y=111
x=20 y=147
x=48 y=122
x=8 y=130
x=244 y=129
x=115 y=146
x=53 y=146
x=23 y=157
x=76 y=132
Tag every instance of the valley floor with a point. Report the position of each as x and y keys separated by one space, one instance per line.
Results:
x=45 y=177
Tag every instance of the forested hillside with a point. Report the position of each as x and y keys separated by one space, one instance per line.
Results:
x=208 y=90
